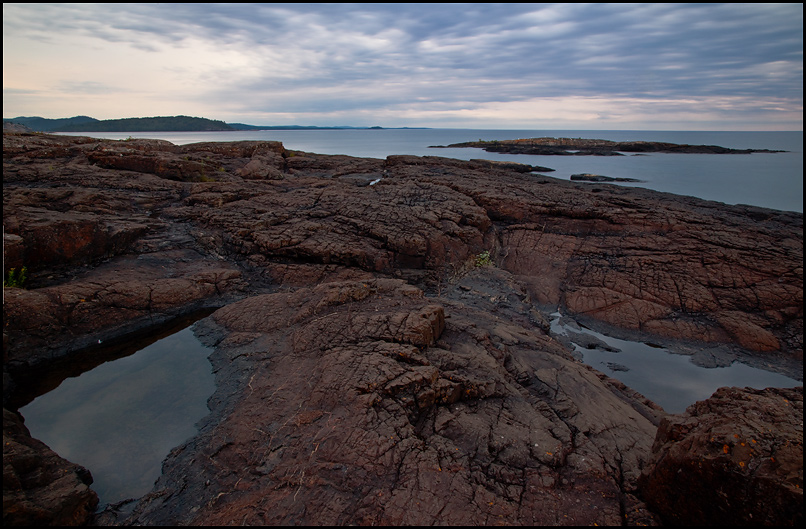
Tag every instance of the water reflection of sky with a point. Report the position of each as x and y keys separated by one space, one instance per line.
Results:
x=122 y=418
x=670 y=380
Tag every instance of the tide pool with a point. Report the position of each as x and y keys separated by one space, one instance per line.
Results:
x=122 y=418
x=671 y=380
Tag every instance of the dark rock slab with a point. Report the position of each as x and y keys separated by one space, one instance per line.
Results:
x=512 y=166
x=589 y=177
x=733 y=459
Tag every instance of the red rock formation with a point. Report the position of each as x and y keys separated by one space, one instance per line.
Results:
x=636 y=259
x=358 y=382
x=733 y=459
x=369 y=403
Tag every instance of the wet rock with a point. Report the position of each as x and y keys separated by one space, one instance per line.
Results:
x=733 y=459
x=588 y=341
x=613 y=366
x=39 y=487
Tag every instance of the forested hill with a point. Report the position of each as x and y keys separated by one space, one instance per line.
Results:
x=49 y=125
x=155 y=124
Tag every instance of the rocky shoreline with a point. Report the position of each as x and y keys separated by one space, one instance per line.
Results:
x=592 y=147
x=380 y=352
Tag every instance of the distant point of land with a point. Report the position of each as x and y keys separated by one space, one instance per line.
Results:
x=88 y=124
x=155 y=124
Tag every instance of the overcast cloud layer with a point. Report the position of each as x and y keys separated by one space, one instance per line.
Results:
x=517 y=66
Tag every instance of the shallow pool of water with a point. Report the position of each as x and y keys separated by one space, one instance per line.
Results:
x=122 y=418
x=671 y=380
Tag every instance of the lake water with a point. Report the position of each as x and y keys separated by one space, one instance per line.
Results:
x=122 y=418
x=771 y=180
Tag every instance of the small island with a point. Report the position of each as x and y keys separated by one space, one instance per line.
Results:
x=592 y=147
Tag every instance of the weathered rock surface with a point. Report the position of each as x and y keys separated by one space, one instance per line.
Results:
x=637 y=259
x=367 y=370
x=114 y=298
x=733 y=459
x=369 y=403
x=39 y=487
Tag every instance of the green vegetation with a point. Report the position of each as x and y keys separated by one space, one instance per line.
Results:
x=16 y=279
x=459 y=270
x=483 y=259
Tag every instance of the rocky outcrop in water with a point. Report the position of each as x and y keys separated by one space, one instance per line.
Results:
x=588 y=177
x=371 y=366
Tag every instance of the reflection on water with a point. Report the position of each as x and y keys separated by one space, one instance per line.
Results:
x=670 y=380
x=121 y=419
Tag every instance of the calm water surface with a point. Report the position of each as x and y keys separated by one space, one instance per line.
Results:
x=671 y=380
x=772 y=180
x=122 y=418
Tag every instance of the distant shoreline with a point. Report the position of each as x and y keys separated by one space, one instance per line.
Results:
x=160 y=124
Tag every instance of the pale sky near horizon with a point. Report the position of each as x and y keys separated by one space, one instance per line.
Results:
x=487 y=66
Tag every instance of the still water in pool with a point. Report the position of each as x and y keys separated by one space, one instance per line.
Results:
x=671 y=380
x=121 y=419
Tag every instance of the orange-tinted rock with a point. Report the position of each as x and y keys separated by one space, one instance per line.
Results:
x=733 y=459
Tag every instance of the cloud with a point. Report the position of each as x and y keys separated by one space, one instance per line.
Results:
x=314 y=62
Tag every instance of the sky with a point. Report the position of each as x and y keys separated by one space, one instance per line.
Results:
x=483 y=66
